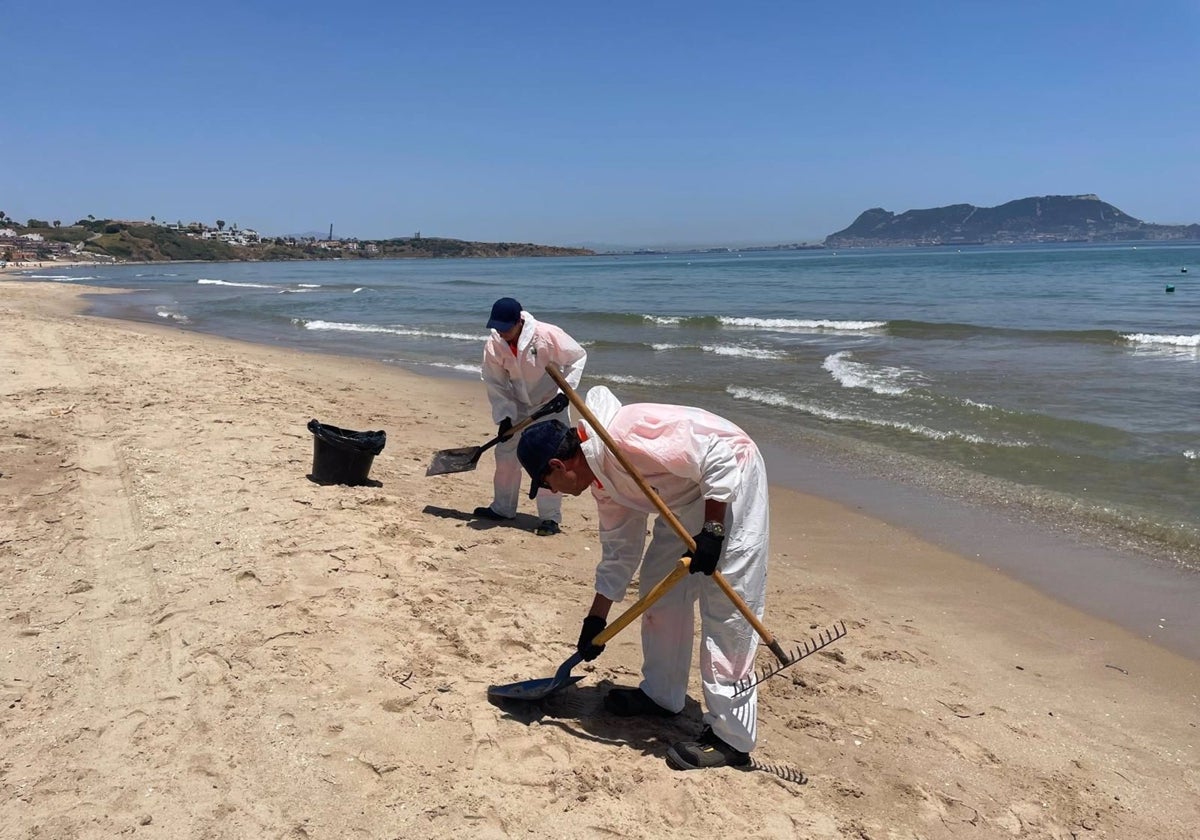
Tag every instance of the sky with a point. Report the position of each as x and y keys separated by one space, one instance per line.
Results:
x=612 y=124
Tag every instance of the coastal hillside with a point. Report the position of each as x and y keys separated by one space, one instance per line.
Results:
x=1048 y=218
x=109 y=239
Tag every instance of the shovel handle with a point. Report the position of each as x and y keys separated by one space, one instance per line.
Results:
x=664 y=511
x=644 y=603
x=549 y=408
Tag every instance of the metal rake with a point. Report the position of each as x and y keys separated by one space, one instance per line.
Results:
x=823 y=639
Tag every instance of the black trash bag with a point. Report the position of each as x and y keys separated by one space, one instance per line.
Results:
x=342 y=456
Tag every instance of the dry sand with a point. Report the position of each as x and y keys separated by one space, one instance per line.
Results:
x=200 y=642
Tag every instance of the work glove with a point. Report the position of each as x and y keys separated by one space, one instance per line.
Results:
x=592 y=624
x=559 y=403
x=505 y=428
x=707 y=553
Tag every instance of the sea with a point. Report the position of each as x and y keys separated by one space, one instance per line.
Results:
x=1034 y=407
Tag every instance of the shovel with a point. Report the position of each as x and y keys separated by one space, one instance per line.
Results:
x=537 y=689
x=785 y=659
x=465 y=458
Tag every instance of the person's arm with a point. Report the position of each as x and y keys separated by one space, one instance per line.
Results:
x=600 y=606
x=567 y=353
x=499 y=386
x=622 y=540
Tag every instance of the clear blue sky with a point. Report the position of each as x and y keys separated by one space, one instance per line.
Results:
x=620 y=123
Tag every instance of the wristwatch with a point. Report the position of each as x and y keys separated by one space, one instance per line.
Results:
x=717 y=529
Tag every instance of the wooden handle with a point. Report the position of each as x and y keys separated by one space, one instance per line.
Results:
x=664 y=511
x=644 y=603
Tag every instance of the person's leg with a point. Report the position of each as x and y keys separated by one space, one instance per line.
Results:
x=506 y=483
x=728 y=642
x=668 y=626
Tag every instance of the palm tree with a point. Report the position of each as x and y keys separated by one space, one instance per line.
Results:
x=57 y=223
x=220 y=224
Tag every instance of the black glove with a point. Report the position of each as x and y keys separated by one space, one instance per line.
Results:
x=558 y=403
x=592 y=625
x=707 y=553
x=505 y=428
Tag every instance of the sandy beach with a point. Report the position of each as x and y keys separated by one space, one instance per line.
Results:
x=200 y=642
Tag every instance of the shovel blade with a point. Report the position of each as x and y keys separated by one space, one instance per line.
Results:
x=463 y=459
x=537 y=689
x=531 y=689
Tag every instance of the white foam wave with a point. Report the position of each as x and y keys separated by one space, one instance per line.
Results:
x=204 y=281
x=57 y=278
x=1191 y=454
x=356 y=291
x=663 y=320
x=163 y=312
x=625 y=380
x=881 y=379
x=372 y=328
x=821 y=324
x=460 y=367
x=1170 y=340
x=294 y=291
x=309 y=285
x=744 y=352
x=779 y=400
x=668 y=346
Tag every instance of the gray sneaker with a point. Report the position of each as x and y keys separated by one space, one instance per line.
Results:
x=705 y=752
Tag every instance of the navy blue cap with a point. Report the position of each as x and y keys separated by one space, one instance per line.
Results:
x=538 y=444
x=506 y=312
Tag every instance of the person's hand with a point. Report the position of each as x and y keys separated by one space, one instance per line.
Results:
x=505 y=428
x=707 y=553
x=559 y=403
x=592 y=624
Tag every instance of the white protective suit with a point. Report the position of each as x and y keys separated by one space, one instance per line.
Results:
x=517 y=386
x=687 y=455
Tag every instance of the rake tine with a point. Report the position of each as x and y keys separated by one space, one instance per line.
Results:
x=823 y=638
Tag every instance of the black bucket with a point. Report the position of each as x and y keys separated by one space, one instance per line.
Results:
x=341 y=456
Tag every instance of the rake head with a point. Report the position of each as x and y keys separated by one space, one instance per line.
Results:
x=826 y=637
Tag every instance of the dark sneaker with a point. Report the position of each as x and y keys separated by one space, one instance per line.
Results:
x=705 y=752
x=547 y=528
x=633 y=702
x=488 y=513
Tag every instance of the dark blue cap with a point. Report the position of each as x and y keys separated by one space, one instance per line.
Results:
x=538 y=444
x=506 y=312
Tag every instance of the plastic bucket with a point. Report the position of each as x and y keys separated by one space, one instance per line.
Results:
x=341 y=456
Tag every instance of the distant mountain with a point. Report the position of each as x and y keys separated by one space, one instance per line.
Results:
x=1048 y=218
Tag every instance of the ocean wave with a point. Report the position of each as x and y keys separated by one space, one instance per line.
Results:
x=778 y=400
x=621 y=379
x=309 y=285
x=463 y=368
x=55 y=278
x=163 y=312
x=1165 y=340
x=204 y=281
x=955 y=331
x=881 y=379
x=744 y=352
x=803 y=324
x=1191 y=454
x=724 y=350
x=294 y=291
x=373 y=328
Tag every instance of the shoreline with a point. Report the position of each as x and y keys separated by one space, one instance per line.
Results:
x=1138 y=589
x=195 y=622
